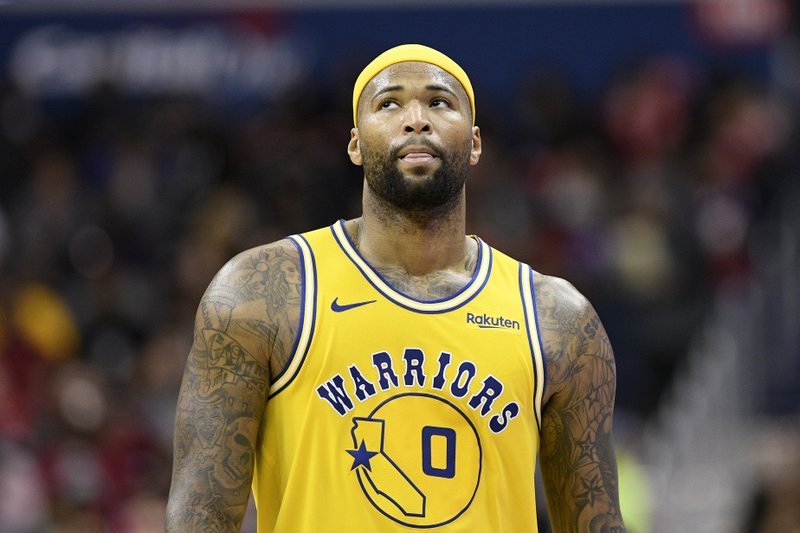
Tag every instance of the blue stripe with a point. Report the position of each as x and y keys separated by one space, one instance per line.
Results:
x=539 y=337
x=313 y=316
x=424 y=302
x=530 y=341
x=302 y=310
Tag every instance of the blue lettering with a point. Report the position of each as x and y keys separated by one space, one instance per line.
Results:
x=333 y=391
x=500 y=421
x=364 y=388
x=492 y=388
x=383 y=363
x=414 y=358
x=449 y=435
x=485 y=321
x=467 y=369
x=444 y=362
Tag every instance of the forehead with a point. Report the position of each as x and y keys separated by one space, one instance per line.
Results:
x=410 y=74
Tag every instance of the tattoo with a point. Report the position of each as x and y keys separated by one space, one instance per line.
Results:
x=247 y=317
x=428 y=287
x=435 y=285
x=577 y=456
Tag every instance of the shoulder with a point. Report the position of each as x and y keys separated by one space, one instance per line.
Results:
x=573 y=338
x=255 y=298
x=558 y=294
x=263 y=273
x=248 y=267
x=560 y=307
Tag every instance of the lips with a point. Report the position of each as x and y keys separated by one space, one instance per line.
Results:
x=417 y=157
x=417 y=154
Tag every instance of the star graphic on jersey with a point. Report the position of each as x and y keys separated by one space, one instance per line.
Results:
x=361 y=457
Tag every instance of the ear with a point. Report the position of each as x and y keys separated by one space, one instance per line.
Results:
x=354 y=148
x=475 y=153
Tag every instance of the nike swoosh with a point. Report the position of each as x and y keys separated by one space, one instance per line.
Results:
x=336 y=307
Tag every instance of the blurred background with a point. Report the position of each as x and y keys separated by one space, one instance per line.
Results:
x=646 y=151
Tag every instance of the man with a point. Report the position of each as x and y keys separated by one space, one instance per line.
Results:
x=391 y=373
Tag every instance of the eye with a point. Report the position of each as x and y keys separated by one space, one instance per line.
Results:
x=387 y=104
x=440 y=102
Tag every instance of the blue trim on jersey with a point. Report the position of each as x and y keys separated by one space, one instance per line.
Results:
x=313 y=315
x=530 y=340
x=478 y=264
x=539 y=336
x=302 y=310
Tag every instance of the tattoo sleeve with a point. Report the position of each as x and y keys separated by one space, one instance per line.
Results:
x=577 y=457
x=244 y=324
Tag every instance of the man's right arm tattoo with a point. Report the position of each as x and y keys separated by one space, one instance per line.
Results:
x=244 y=324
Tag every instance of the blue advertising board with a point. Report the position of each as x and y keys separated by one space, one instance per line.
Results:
x=262 y=54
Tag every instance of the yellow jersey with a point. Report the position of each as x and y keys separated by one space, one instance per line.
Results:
x=396 y=414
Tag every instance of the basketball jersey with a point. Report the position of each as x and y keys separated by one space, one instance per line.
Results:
x=396 y=414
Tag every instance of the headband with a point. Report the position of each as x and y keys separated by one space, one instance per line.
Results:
x=411 y=52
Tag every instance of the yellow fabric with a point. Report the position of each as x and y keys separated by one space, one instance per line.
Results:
x=411 y=52
x=396 y=414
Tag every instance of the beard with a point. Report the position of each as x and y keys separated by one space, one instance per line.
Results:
x=424 y=193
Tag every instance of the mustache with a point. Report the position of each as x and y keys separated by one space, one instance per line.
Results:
x=416 y=142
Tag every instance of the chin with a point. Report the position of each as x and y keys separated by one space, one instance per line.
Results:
x=421 y=177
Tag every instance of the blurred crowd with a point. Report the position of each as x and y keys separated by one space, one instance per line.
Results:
x=115 y=213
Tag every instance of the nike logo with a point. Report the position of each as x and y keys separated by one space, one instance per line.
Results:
x=336 y=307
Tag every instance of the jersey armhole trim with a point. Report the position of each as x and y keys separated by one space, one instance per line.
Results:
x=534 y=339
x=308 y=313
x=542 y=354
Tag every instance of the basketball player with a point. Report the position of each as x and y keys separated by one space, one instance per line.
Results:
x=391 y=373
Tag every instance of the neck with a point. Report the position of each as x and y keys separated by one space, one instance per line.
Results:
x=418 y=242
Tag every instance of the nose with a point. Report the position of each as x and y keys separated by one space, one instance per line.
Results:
x=416 y=118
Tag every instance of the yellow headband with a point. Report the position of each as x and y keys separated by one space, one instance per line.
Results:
x=411 y=52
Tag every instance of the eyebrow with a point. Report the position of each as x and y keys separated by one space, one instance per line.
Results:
x=431 y=87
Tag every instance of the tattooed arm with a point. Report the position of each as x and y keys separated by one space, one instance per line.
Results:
x=244 y=327
x=579 y=468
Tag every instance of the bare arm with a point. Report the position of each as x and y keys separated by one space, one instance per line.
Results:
x=244 y=327
x=579 y=467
